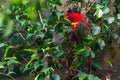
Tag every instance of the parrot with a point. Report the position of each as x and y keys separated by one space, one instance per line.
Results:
x=76 y=18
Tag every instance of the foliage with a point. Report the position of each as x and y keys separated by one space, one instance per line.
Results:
x=34 y=37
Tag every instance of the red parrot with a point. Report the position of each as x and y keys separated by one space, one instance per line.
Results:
x=75 y=17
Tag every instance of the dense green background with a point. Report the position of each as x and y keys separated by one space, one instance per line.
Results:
x=35 y=36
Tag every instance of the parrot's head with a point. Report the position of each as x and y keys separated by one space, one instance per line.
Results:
x=68 y=12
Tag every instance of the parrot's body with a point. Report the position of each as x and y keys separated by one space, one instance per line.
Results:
x=76 y=18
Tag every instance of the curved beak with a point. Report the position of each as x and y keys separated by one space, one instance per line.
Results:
x=65 y=16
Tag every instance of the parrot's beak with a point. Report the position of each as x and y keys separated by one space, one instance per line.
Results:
x=65 y=16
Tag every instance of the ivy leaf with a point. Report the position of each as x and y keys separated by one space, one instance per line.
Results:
x=89 y=53
x=59 y=14
x=92 y=77
x=82 y=76
x=56 y=77
x=90 y=37
x=60 y=53
x=36 y=65
x=11 y=61
x=48 y=69
x=20 y=19
x=42 y=35
x=92 y=54
x=99 y=13
x=96 y=30
x=101 y=43
x=110 y=20
x=106 y=10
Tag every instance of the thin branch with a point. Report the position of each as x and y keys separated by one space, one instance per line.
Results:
x=22 y=36
x=40 y=17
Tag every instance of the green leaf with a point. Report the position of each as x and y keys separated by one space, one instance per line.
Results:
x=101 y=43
x=92 y=77
x=31 y=12
x=33 y=56
x=3 y=44
x=24 y=2
x=6 y=51
x=3 y=18
x=89 y=53
x=79 y=52
x=118 y=16
x=56 y=77
x=60 y=53
x=110 y=20
x=92 y=54
x=86 y=53
x=92 y=43
x=31 y=50
x=106 y=10
x=16 y=2
x=42 y=35
x=1 y=65
x=46 y=70
x=96 y=30
x=36 y=65
x=90 y=37
x=105 y=1
x=20 y=18
x=37 y=77
x=99 y=13
x=82 y=76
x=11 y=61
x=59 y=14
x=9 y=28
x=108 y=61
x=97 y=65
